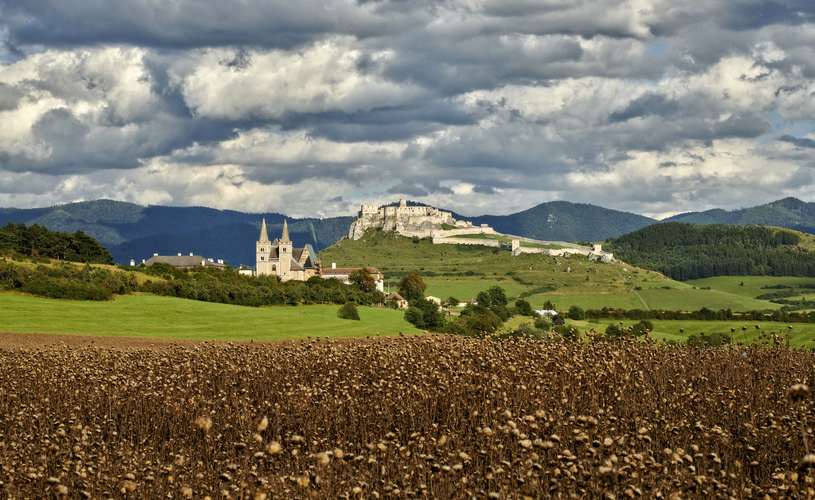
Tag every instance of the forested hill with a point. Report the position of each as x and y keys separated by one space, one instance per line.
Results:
x=790 y=213
x=685 y=251
x=131 y=231
x=38 y=241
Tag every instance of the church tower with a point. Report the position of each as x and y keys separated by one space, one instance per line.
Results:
x=284 y=254
x=263 y=249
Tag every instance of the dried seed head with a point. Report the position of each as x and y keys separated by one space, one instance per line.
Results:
x=798 y=392
x=204 y=423
x=807 y=462
x=264 y=422
x=273 y=448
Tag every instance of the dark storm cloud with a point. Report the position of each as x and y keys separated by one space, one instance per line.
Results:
x=648 y=104
x=801 y=142
x=483 y=190
x=384 y=124
x=408 y=189
x=179 y=25
x=753 y=15
x=10 y=97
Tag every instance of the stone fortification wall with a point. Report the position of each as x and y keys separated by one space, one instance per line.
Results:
x=446 y=233
x=515 y=246
x=466 y=241
x=591 y=253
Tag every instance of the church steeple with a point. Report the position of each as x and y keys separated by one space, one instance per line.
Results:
x=285 y=237
x=264 y=237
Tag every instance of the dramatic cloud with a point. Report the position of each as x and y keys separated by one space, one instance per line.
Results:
x=480 y=106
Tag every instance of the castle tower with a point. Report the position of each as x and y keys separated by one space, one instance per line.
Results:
x=284 y=254
x=263 y=249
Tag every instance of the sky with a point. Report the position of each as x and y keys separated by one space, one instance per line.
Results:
x=314 y=107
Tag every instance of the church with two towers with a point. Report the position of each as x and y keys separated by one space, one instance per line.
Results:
x=280 y=258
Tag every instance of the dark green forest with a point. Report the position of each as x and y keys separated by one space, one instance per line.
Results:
x=40 y=241
x=685 y=251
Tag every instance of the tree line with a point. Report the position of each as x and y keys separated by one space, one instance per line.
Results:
x=38 y=241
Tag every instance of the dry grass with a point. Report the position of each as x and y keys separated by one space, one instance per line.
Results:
x=406 y=417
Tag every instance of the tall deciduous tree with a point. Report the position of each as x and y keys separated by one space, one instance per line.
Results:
x=363 y=279
x=412 y=287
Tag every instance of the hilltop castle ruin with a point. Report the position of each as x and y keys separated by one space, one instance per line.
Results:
x=408 y=221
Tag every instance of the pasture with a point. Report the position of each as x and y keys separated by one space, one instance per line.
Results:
x=467 y=289
x=163 y=317
x=801 y=334
x=751 y=286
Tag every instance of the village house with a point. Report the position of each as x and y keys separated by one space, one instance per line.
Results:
x=280 y=258
x=401 y=302
x=342 y=273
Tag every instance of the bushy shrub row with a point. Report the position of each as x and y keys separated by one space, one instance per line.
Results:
x=227 y=287
x=65 y=281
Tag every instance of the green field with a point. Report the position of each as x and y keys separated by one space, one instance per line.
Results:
x=464 y=289
x=752 y=284
x=800 y=335
x=591 y=301
x=152 y=316
x=688 y=299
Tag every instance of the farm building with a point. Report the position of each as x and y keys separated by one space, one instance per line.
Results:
x=184 y=261
x=342 y=273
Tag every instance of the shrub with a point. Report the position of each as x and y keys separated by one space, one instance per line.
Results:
x=414 y=316
x=348 y=311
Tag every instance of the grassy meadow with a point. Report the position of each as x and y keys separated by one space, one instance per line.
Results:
x=800 y=334
x=163 y=317
x=749 y=286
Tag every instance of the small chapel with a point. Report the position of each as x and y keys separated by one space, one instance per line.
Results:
x=280 y=258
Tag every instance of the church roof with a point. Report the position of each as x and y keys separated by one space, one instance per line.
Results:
x=264 y=236
x=285 y=238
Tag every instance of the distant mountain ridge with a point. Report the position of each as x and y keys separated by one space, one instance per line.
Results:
x=790 y=213
x=131 y=231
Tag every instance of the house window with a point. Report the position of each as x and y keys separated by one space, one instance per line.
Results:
x=261 y=257
x=261 y=249
x=274 y=268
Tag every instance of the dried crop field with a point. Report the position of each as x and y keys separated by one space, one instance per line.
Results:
x=405 y=417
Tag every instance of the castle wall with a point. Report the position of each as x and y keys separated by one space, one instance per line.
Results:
x=466 y=241
x=444 y=233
